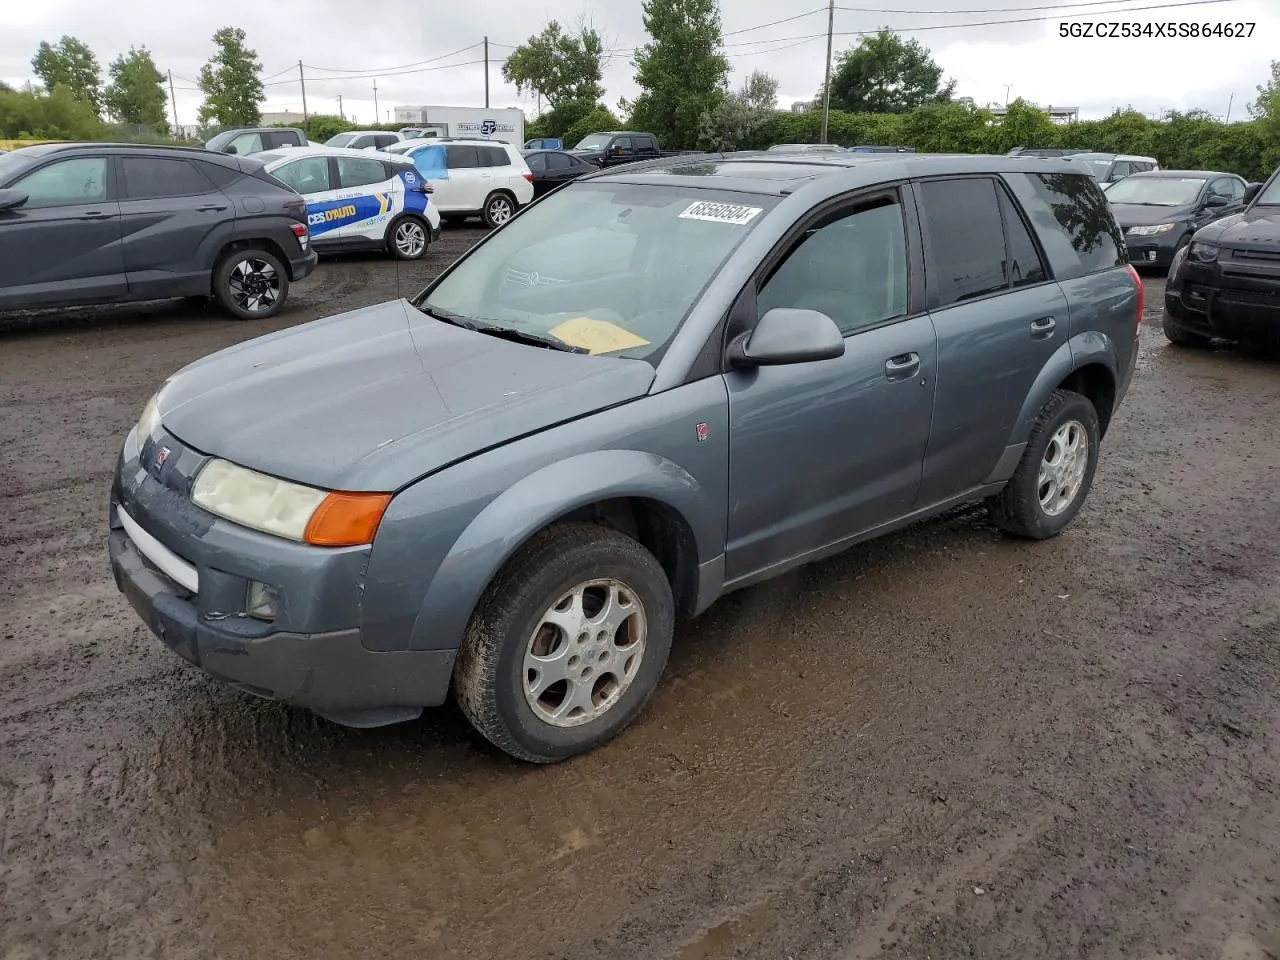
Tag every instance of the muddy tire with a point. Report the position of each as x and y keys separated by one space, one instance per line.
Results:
x=499 y=207
x=1180 y=335
x=567 y=645
x=251 y=284
x=1056 y=471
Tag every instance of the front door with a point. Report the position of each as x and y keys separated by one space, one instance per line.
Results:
x=63 y=245
x=822 y=451
x=314 y=177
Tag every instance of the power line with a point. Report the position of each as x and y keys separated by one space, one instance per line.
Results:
x=774 y=23
x=952 y=13
x=386 y=73
x=372 y=70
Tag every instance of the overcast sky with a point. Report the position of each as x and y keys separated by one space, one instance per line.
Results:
x=340 y=41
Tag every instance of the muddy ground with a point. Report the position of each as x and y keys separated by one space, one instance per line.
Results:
x=944 y=744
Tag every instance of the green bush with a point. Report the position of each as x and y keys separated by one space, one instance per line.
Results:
x=594 y=121
x=321 y=127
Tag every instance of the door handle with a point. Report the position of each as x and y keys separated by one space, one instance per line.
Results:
x=94 y=215
x=902 y=367
x=1043 y=328
x=212 y=208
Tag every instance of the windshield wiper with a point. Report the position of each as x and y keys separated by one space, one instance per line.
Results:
x=497 y=330
x=457 y=319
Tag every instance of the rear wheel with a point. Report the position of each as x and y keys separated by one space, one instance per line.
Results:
x=567 y=644
x=498 y=209
x=251 y=284
x=1180 y=335
x=407 y=238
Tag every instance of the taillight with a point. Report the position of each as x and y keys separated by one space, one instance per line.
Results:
x=1137 y=282
x=528 y=176
x=300 y=231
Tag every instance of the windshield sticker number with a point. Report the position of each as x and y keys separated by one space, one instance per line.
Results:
x=720 y=212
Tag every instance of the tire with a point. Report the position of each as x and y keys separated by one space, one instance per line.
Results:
x=253 y=263
x=1181 y=336
x=499 y=207
x=510 y=626
x=1019 y=509
x=408 y=237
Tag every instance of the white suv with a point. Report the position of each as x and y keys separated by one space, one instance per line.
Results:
x=364 y=139
x=471 y=178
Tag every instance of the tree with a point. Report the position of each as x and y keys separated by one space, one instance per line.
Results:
x=47 y=115
x=681 y=72
x=597 y=119
x=70 y=64
x=136 y=93
x=231 y=82
x=563 y=67
x=885 y=74
x=741 y=118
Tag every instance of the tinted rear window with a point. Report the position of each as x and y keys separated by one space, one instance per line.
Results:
x=495 y=156
x=220 y=175
x=965 y=239
x=1071 y=215
x=152 y=178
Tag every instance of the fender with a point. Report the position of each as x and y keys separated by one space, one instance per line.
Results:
x=535 y=501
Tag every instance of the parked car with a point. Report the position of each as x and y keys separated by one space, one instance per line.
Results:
x=544 y=143
x=1225 y=282
x=488 y=179
x=806 y=148
x=550 y=168
x=364 y=139
x=1160 y=210
x=515 y=490
x=360 y=199
x=612 y=148
x=105 y=222
x=250 y=140
x=1043 y=152
x=1107 y=168
x=411 y=133
x=875 y=149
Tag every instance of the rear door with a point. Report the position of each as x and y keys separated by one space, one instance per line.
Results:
x=999 y=317
x=168 y=208
x=63 y=244
x=367 y=195
x=468 y=181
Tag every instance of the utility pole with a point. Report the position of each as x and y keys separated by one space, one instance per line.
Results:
x=303 y=81
x=486 y=71
x=1230 y=100
x=340 y=113
x=1007 y=88
x=375 y=100
x=826 y=86
x=174 y=100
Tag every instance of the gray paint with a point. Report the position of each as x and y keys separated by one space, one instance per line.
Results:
x=487 y=441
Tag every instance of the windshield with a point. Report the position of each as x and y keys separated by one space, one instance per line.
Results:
x=612 y=268
x=594 y=142
x=1156 y=191
x=12 y=163
x=339 y=139
x=1268 y=197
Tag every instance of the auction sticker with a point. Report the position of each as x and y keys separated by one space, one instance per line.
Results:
x=720 y=212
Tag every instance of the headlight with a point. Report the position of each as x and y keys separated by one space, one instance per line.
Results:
x=285 y=509
x=1203 y=252
x=1152 y=230
x=149 y=422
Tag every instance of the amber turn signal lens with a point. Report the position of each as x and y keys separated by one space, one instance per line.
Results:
x=346 y=519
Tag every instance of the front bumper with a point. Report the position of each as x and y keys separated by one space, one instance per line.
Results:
x=1221 y=300
x=310 y=656
x=1156 y=251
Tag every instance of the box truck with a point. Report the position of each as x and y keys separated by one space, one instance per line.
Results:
x=499 y=123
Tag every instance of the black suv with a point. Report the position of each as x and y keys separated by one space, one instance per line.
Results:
x=1226 y=282
x=99 y=222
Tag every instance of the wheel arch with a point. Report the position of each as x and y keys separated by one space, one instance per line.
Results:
x=1085 y=364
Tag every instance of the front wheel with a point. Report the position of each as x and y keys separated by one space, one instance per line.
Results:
x=251 y=284
x=407 y=238
x=567 y=644
x=1056 y=471
x=498 y=209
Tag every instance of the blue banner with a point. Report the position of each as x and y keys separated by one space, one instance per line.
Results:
x=430 y=162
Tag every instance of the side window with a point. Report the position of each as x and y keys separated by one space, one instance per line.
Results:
x=67 y=182
x=1025 y=266
x=461 y=157
x=358 y=171
x=965 y=240
x=385 y=140
x=622 y=143
x=1237 y=188
x=359 y=143
x=220 y=175
x=558 y=161
x=309 y=175
x=247 y=143
x=1073 y=220
x=537 y=162
x=1121 y=169
x=851 y=266
x=497 y=156
x=1221 y=188
x=152 y=178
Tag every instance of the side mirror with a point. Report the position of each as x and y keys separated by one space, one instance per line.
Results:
x=10 y=199
x=784 y=335
x=1251 y=191
x=1215 y=200
x=231 y=150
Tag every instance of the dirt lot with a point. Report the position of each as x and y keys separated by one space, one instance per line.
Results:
x=944 y=744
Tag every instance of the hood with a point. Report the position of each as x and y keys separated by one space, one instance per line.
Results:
x=1137 y=215
x=1257 y=228
x=376 y=398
